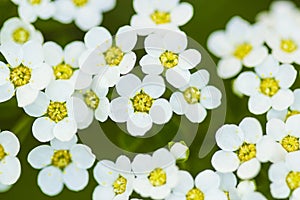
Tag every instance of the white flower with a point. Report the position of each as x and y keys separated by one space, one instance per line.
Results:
x=26 y=73
x=30 y=10
x=268 y=87
x=17 y=31
x=228 y=184
x=115 y=179
x=85 y=13
x=283 y=115
x=139 y=104
x=179 y=150
x=62 y=163
x=246 y=191
x=240 y=44
x=106 y=57
x=205 y=186
x=89 y=103
x=153 y=15
x=168 y=53
x=240 y=148
x=54 y=110
x=194 y=98
x=156 y=175
x=10 y=167
x=65 y=63
x=285 y=178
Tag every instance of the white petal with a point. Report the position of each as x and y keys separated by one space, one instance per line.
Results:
x=163 y=158
x=83 y=80
x=268 y=68
x=4 y=73
x=165 y=5
x=82 y=156
x=228 y=68
x=277 y=114
x=219 y=44
x=105 y=173
x=12 y=53
x=175 y=41
x=27 y=13
x=26 y=95
x=292 y=125
x=7 y=92
x=256 y=57
x=40 y=156
x=296 y=104
x=53 y=53
x=293 y=161
x=225 y=161
x=87 y=18
x=210 y=97
x=92 y=61
x=41 y=76
x=101 y=113
x=59 y=145
x=282 y=99
x=103 y=192
x=72 y=52
x=32 y=53
x=185 y=184
x=237 y=28
x=139 y=123
x=179 y=150
x=207 y=180
x=10 y=143
x=154 y=45
x=143 y=6
x=127 y=85
x=178 y=77
x=10 y=170
x=76 y=179
x=123 y=163
x=181 y=14
x=178 y=103
x=228 y=181
x=126 y=38
x=81 y=111
x=199 y=79
x=249 y=169
x=59 y=90
x=279 y=190
x=196 y=113
x=259 y=104
x=230 y=137
x=109 y=77
x=65 y=129
x=254 y=195
x=142 y=164
x=278 y=172
x=286 y=76
x=42 y=129
x=252 y=130
x=50 y=181
x=276 y=129
x=154 y=85
x=127 y=63
x=161 y=111
x=98 y=37
x=119 y=109
x=247 y=83
x=151 y=65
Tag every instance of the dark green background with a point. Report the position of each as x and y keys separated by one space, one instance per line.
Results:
x=209 y=15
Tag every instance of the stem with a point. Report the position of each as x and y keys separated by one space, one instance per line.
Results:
x=22 y=127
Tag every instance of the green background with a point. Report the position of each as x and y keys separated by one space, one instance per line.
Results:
x=208 y=17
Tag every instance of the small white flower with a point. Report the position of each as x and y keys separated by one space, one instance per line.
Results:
x=26 y=73
x=205 y=186
x=240 y=44
x=17 y=31
x=139 y=104
x=283 y=115
x=156 y=175
x=54 y=110
x=85 y=13
x=106 y=57
x=179 y=150
x=153 y=15
x=89 y=103
x=62 y=163
x=194 y=98
x=285 y=177
x=30 y=10
x=268 y=87
x=168 y=54
x=10 y=167
x=65 y=63
x=115 y=179
x=246 y=191
x=240 y=148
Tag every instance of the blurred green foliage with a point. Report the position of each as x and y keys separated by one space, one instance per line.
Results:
x=208 y=17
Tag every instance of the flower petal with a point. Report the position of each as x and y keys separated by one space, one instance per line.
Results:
x=41 y=76
x=154 y=45
x=139 y=123
x=151 y=65
x=127 y=63
x=252 y=130
x=59 y=145
x=256 y=57
x=178 y=77
x=59 y=90
x=225 y=161
x=178 y=103
x=259 y=104
x=207 y=180
x=98 y=37
x=119 y=109
x=229 y=67
x=286 y=76
x=154 y=85
x=7 y=92
x=127 y=85
x=82 y=156
x=10 y=143
x=50 y=181
x=32 y=54
x=230 y=137
x=282 y=99
x=268 y=68
x=102 y=112
x=161 y=111
x=199 y=79
x=196 y=113
x=42 y=129
x=249 y=169
x=126 y=38
x=53 y=53
x=75 y=179
x=65 y=129
x=210 y=97
x=247 y=83
x=40 y=156
x=182 y=13
x=26 y=95
x=10 y=170
x=175 y=41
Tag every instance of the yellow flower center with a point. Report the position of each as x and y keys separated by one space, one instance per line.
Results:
x=63 y=71
x=292 y=113
x=20 y=76
x=246 y=152
x=2 y=152
x=242 y=50
x=80 y=3
x=161 y=17
x=169 y=59
x=142 y=102
x=269 y=86
x=195 y=194
x=227 y=195
x=61 y=158
x=290 y=143
x=91 y=99
x=113 y=56
x=192 y=95
x=158 y=177
x=293 y=180
x=57 y=111
x=21 y=35
x=34 y=2
x=120 y=185
x=288 y=46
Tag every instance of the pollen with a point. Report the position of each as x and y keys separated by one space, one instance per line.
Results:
x=288 y=46
x=293 y=180
x=160 y=17
x=91 y=99
x=192 y=95
x=113 y=56
x=290 y=143
x=2 y=152
x=158 y=177
x=63 y=71
x=142 y=102
x=242 y=50
x=246 y=152
x=34 y=2
x=292 y=113
x=80 y=3
x=195 y=194
x=21 y=35
x=169 y=59
x=269 y=86
x=20 y=75
x=61 y=159
x=120 y=185
x=57 y=111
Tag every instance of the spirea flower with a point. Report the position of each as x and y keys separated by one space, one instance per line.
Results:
x=62 y=163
